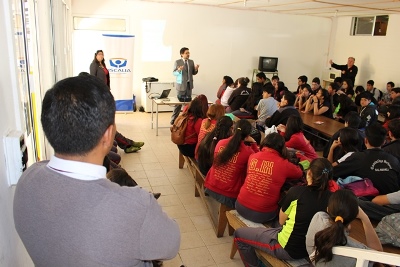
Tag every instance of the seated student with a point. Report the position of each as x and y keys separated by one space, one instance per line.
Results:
x=267 y=105
x=227 y=174
x=319 y=104
x=347 y=142
x=279 y=90
x=301 y=80
x=345 y=106
x=227 y=94
x=274 y=81
x=302 y=98
x=375 y=92
x=315 y=85
x=333 y=96
x=239 y=95
x=226 y=81
x=196 y=116
x=294 y=137
x=393 y=112
x=329 y=229
x=214 y=112
x=285 y=110
x=386 y=99
x=266 y=174
x=382 y=168
x=248 y=109
x=351 y=120
x=368 y=112
x=288 y=242
x=205 y=153
x=257 y=87
x=121 y=177
x=395 y=96
x=393 y=147
x=359 y=89
x=381 y=206
x=347 y=88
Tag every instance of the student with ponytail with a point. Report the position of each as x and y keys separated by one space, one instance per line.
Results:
x=227 y=174
x=214 y=112
x=205 y=152
x=288 y=241
x=328 y=229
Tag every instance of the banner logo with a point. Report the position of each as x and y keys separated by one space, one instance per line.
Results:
x=118 y=65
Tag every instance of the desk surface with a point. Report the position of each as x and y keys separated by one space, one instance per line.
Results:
x=329 y=126
x=172 y=100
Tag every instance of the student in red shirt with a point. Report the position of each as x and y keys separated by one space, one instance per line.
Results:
x=227 y=174
x=196 y=115
x=267 y=171
x=214 y=112
x=294 y=137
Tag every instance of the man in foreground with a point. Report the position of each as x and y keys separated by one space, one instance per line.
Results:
x=65 y=210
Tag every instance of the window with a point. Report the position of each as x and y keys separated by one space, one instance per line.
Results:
x=375 y=26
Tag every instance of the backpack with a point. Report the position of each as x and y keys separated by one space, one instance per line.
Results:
x=380 y=94
x=178 y=129
x=388 y=229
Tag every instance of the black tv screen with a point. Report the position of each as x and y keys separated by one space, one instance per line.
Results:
x=268 y=64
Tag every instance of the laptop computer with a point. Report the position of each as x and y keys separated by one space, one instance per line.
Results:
x=164 y=94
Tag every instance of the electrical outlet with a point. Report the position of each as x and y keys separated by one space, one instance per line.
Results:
x=16 y=156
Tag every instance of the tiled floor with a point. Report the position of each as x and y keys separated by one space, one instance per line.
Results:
x=155 y=168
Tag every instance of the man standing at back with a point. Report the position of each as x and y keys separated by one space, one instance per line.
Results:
x=349 y=71
x=184 y=69
x=65 y=210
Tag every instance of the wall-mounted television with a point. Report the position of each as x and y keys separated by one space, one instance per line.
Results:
x=268 y=64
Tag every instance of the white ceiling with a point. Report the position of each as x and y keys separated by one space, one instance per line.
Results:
x=320 y=8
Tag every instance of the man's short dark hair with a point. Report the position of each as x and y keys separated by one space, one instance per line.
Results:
x=75 y=114
x=269 y=88
x=371 y=82
x=289 y=97
x=334 y=86
x=275 y=77
x=367 y=95
x=394 y=128
x=391 y=84
x=183 y=49
x=316 y=80
x=261 y=75
x=396 y=90
x=338 y=80
x=303 y=78
x=375 y=134
x=353 y=120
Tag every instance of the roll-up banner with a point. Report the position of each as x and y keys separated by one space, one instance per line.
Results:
x=119 y=59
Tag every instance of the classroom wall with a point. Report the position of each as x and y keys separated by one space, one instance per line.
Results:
x=376 y=56
x=12 y=251
x=223 y=41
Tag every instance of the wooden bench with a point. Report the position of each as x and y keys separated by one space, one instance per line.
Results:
x=390 y=254
x=236 y=221
x=215 y=210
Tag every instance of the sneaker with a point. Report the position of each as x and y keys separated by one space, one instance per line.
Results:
x=138 y=144
x=156 y=195
x=131 y=149
x=122 y=141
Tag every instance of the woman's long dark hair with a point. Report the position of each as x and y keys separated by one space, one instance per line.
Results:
x=196 y=109
x=294 y=125
x=103 y=62
x=342 y=203
x=321 y=172
x=241 y=131
x=276 y=142
x=205 y=152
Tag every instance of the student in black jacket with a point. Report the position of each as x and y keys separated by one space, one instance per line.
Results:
x=285 y=111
